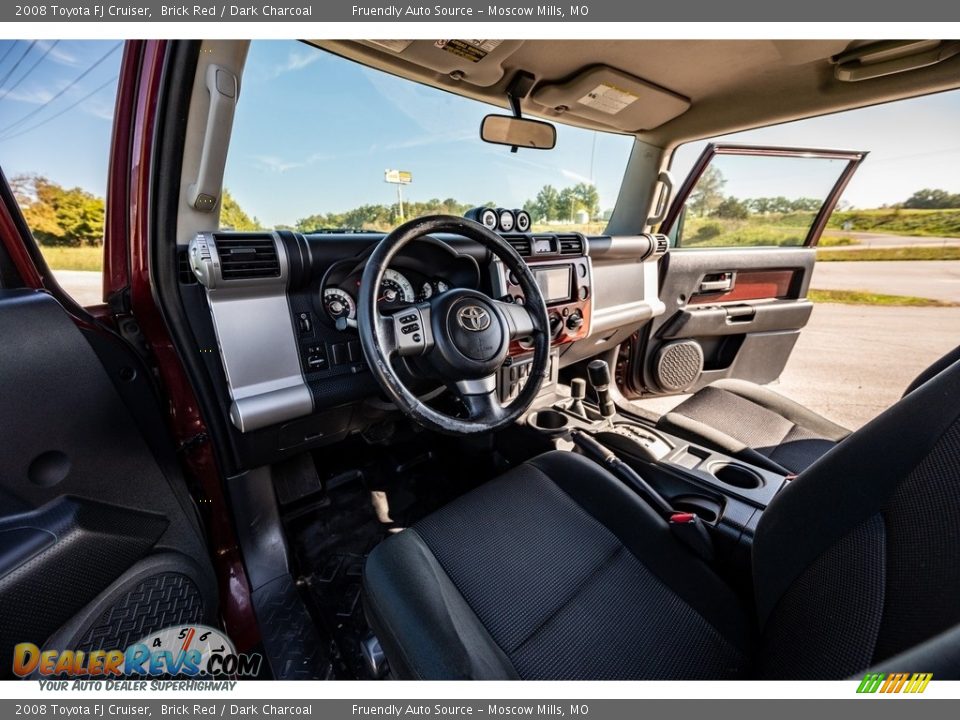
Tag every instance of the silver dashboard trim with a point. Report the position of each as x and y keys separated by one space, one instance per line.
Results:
x=256 y=339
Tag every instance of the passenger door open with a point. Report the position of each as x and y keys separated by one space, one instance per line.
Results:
x=743 y=232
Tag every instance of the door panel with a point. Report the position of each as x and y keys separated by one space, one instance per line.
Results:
x=730 y=313
x=743 y=231
x=99 y=540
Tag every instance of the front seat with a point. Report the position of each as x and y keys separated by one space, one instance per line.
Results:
x=763 y=428
x=557 y=571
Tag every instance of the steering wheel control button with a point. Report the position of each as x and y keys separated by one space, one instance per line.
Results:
x=409 y=331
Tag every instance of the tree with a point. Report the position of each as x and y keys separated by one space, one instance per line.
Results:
x=587 y=198
x=566 y=204
x=708 y=193
x=233 y=216
x=59 y=216
x=732 y=209
x=544 y=207
x=930 y=199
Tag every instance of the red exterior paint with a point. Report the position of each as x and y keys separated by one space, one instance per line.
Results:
x=128 y=259
x=10 y=237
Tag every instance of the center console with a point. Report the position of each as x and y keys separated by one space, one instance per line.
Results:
x=561 y=267
x=727 y=494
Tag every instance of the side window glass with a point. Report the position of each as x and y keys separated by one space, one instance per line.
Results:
x=56 y=119
x=756 y=200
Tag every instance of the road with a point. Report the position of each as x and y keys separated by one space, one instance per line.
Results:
x=84 y=287
x=881 y=240
x=935 y=279
x=854 y=361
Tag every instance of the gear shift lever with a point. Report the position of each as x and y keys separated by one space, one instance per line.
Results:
x=578 y=391
x=598 y=373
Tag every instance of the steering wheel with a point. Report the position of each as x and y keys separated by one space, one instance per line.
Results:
x=461 y=335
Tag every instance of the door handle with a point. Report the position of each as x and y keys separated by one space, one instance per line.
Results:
x=719 y=282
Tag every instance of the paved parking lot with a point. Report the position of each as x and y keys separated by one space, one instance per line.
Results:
x=935 y=279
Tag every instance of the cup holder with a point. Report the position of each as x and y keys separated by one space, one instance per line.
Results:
x=736 y=475
x=548 y=421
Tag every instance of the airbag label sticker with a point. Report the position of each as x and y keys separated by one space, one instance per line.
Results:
x=608 y=99
x=472 y=50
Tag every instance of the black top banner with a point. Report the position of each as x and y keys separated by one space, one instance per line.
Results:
x=738 y=11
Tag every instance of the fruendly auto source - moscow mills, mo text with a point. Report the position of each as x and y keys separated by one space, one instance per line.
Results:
x=493 y=11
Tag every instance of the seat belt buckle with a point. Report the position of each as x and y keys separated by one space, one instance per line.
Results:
x=690 y=530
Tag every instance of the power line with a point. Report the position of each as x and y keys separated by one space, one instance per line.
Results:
x=65 y=110
x=17 y=63
x=78 y=79
x=9 y=50
x=27 y=73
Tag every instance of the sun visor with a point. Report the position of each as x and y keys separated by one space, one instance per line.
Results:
x=479 y=62
x=613 y=98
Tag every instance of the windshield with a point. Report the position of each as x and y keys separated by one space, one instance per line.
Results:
x=323 y=143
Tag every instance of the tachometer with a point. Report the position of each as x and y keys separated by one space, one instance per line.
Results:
x=395 y=289
x=339 y=304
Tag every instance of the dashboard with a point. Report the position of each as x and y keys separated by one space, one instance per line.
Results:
x=280 y=309
x=413 y=277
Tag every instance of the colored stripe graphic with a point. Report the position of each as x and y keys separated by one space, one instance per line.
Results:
x=913 y=683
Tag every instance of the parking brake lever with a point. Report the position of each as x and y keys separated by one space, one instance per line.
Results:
x=686 y=526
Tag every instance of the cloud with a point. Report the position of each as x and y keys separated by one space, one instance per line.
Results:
x=274 y=164
x=100 y=107
x=32 y=96
x=296 y=60
x=58 y=54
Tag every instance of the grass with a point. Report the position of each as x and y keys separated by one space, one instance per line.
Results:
x=889 y=254
x=928 y=223
x=835 y=240
x=69 y=258
x=858 y=297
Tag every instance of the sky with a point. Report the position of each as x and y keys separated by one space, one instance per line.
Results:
x=314 y=133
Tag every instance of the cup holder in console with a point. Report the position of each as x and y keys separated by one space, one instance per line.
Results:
x=736 y=475
x=548 y=421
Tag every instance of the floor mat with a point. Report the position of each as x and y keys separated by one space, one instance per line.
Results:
x=333 y=531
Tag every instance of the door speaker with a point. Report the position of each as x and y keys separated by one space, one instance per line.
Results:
x=678 y=365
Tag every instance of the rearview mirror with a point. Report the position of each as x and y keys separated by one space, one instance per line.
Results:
x=518 y=132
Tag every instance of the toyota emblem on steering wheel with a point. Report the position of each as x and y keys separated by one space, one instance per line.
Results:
x=473 y=318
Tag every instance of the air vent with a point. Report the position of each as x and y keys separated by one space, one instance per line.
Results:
x=661 y=244
x=184 y=273
x=519 y=243
x=248 y=258
x=571 y=244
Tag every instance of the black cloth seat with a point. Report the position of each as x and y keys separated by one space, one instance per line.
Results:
x=757 y=425
x=557 y=571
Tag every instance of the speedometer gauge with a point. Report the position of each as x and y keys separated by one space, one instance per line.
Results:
x=395 y=289
x=339 y=304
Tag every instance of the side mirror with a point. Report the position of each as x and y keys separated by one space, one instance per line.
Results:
x=518 y=132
